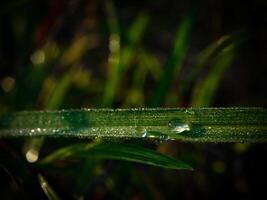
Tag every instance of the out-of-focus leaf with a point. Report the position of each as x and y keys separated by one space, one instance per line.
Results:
x=134 y=36
x=114 y=63
x=120 y=58
x=78 y=48
x=49 y=192
x=206 y=56
x=60 y=90
x=32 y=146
x=204 y=90
x=174 y=63
x=117 y=152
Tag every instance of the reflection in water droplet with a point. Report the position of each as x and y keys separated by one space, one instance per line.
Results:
x=31 y=132
x=144 y=133
x=189 y=111
x=155 y=135
x=178 y=126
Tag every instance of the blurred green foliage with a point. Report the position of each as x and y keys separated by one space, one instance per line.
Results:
x=73 y=54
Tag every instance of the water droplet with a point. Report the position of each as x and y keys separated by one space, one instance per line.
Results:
x=178 y=126
x=189 y=111
x=31 y=132
x=144 y=133
x=154 y=135
x=32 y=155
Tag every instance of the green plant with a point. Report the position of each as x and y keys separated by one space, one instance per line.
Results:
x=110 y=60
x=192 y=124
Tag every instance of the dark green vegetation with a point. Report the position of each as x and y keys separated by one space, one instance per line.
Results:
x=116 y=54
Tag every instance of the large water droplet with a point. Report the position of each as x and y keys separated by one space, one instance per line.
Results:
x=178 y=126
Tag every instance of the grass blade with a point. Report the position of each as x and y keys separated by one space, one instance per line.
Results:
x=114 y=151
x=49 y=192
x=121 y=58
x=207 y=55
x=114 y=61
x=175 y=61
x=193 y=124
x=205 y=90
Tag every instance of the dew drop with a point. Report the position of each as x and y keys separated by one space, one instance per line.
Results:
x=144 y=135
x=31 y=132
x=178 y=126
x=157 y=136
x=32 y=155
x=189 y=111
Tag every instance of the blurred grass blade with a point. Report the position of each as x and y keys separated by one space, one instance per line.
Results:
x=147 y=64
x=207 y=55
x=114 y=63
x=115 y=151
x=204 y=91
x=133 y=38
x=120 y=58
x=192 y=124
x=49 y=192
x=33 y=146
x=60 y=90
x=151 y=63
x=174 y=64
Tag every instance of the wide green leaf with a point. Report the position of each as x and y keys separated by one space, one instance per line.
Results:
x=191 y=124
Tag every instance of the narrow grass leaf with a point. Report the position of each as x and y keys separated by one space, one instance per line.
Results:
x=191 y=124
x=120 y=58
x=49 y=192
x=33 y=146
x=175 y=61
x=207 y=55
x=115 y=151
x=205 y=90
x=114 y=61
